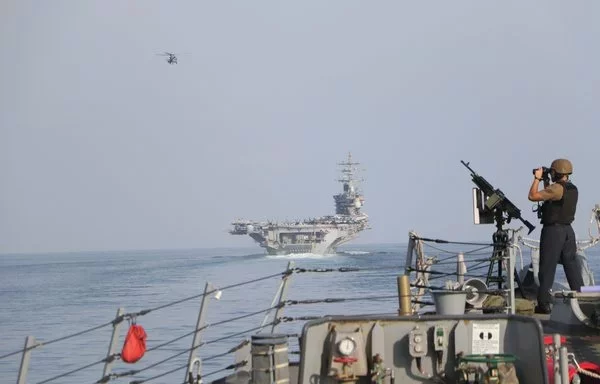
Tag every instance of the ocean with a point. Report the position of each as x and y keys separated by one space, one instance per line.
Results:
x=53 y=295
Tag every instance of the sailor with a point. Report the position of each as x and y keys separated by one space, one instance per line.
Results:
x=557 y=240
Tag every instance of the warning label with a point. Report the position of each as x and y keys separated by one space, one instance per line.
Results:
x=486 y=339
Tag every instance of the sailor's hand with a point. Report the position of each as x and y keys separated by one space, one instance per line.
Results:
x=538 y=173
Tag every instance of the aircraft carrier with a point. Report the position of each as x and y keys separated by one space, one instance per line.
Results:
x=320 y=235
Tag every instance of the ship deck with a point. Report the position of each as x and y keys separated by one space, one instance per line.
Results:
x=581 y=340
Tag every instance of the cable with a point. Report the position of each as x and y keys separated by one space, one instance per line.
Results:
x=338 y=300
x=287 y=319
x=488 y=291
x=141 y=313
x=190 y=349
x=478 y=249
x=231 y=366
x=455 y=261
x=239 y=333
x=212 y=325
x=341 y=269
x=446 y=241
x=215 y=290
x=388 y=267
x=76 y=370
x=441 y=274
x=453 y=252
x=422 y=302
x=59 y=339
x=477 y=266
x=217 y=356
x=158 y=376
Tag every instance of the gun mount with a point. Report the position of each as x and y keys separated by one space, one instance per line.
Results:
x=490 y=204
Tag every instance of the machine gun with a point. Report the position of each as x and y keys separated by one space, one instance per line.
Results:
x=491 y=204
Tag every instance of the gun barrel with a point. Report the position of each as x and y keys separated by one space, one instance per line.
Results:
x=469 y=168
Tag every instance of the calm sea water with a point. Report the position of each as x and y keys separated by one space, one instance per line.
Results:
x=52 y=295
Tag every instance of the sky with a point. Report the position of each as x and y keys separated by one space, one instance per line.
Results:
x=105 y=146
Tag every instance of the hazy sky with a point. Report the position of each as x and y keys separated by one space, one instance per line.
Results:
x=104 y=146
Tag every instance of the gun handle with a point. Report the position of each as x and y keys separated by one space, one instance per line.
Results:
x=530 y=226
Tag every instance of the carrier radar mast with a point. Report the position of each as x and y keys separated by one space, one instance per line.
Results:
x=350 y=200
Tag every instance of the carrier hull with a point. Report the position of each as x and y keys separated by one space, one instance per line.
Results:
x=320 y=240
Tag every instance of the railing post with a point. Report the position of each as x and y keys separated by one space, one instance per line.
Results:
x=564 y=364
x=275 y=299
x=556 y=359
x=29 y=342
x=192 y=360
x=409 y=252
x=461 y=268
x=282 y=295
x=243 y=353
x=512 y=261
x=113 y=344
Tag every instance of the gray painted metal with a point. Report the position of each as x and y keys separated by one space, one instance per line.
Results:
x=193 y=360
x=512 y=260
x=461 y=268
x=29 y=342
x=270 y=358
x=556 y=360
x=284 y=287
x=275 y=300
x=243 y=354
x=575 y=308
x=377 y=342
x=564 y=365
x=409 y=254
x=518 y=335
x=320 y=235
x=112 y=347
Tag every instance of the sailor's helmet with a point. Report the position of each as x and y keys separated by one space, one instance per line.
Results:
x=562 y=166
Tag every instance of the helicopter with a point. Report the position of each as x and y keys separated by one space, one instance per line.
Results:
x=172 y=59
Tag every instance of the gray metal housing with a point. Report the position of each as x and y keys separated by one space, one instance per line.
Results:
x=394 y=339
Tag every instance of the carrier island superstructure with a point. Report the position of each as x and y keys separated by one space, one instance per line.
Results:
x=320 y=235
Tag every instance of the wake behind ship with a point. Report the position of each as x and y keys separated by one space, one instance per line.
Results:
x=321 y=235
